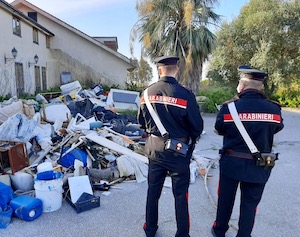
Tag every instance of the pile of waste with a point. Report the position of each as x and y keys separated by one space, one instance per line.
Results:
x=67 y=144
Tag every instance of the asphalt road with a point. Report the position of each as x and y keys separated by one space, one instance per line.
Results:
x=122 y=212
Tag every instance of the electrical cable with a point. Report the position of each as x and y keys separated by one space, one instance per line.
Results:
x=213 y=202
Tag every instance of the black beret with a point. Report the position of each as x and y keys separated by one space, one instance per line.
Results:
x=166 y=60
x=251 y=73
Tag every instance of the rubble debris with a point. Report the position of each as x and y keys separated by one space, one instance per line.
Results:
x=68 y=158
x=123 y=99
x=112 y=145
x=74 y=143
x=9 y=109
x=108 y=174
x=128 y=166
x=53 y=112
x=69 y=88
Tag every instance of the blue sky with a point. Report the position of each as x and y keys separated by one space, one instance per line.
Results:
x=114 y=17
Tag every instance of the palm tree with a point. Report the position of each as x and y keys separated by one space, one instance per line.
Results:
x=177 y=27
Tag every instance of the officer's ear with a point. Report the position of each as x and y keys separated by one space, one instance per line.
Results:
x=159 y=70
x=240 y=87
x=177 y=69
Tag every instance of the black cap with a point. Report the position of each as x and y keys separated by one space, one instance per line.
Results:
x=251 y=73
x=166 y=60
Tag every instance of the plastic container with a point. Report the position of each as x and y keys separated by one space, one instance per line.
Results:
x=22 y=181
x=98 y=90
x=85 y=202
x=70 y=87
x=69 y=159
x=26 y=208
x=6 y=194
x=5 y=216
x=45 y=166
x=4 y=178
x=48 y=188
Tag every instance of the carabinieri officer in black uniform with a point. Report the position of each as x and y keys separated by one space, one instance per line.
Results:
x=262 y=119
x=179 y=113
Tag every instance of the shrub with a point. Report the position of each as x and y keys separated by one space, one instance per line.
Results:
x=215 y=96
x=288 y=98
x=3 y=98
x=129 y=112
x=107 y=88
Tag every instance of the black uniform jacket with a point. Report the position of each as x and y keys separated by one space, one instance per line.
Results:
x=262 y=119
x=176 y=107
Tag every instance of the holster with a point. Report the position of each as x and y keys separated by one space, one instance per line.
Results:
x=266 y=159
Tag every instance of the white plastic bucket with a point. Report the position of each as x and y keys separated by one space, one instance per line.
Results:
x=48 y=188
x=45 y=166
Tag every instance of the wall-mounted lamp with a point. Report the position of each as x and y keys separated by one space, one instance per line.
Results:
x=36 y=59
x=14 y=53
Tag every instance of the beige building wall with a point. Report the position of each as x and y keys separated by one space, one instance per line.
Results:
x=26 y=52
x=83 y=56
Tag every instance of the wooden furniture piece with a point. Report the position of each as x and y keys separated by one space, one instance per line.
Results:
x=13 y=155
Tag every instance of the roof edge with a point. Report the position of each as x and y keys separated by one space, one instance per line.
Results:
x=68 y=26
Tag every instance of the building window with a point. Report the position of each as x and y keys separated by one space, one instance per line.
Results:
x=32 y=15
x=44 y=79
x=48 y=41
x=35 y=35
x=19 y=79
x=37 y=76
x=16 y=24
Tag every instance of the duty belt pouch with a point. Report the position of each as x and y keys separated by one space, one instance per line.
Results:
x=267 y=159
x=176 y=146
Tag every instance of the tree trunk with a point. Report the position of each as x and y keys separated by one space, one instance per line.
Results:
x=195 y=79
x=192 y=79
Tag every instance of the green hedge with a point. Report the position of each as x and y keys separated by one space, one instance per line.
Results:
x=288 y=98
x=216 y=95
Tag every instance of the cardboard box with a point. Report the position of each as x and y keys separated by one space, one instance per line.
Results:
x=85 y=202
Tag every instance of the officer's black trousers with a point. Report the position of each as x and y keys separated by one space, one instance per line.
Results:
x=251 y=194
x=178 y=168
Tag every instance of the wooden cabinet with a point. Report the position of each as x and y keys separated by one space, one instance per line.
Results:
x=13 y=155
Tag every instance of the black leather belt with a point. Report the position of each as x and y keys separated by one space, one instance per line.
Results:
x=243 y=155
x=182 y=139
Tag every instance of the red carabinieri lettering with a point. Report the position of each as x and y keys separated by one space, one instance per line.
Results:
x=253 y=117
x=159 y=99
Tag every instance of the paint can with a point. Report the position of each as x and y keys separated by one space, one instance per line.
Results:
x=48 y=188
x=45 y=166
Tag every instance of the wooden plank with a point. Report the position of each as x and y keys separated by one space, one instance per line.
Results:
x=93 y=136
